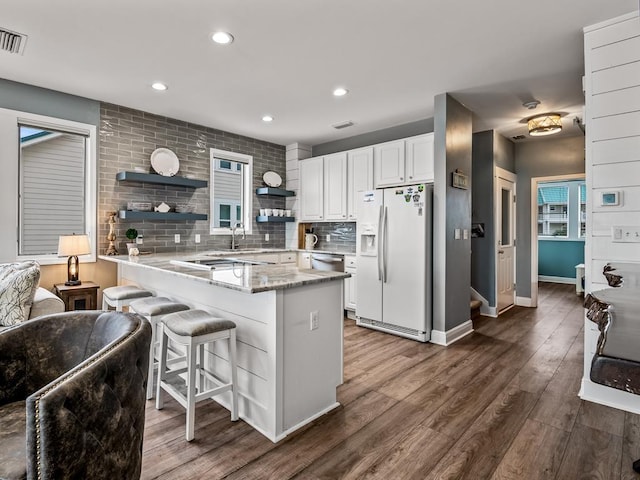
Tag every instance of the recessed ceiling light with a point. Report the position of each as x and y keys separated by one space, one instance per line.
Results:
x=267 y=118
x=161 y=87
x=222 y=38
x=340 y=92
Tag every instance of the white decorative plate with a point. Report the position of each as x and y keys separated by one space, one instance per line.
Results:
x=272 y=179
x=165 y=162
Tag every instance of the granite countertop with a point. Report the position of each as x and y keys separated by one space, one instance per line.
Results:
x=243 y=277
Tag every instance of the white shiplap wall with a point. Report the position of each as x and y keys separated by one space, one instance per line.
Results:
x=612 y=84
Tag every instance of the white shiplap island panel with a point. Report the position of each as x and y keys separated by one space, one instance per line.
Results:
x=287 y=372
x=612 y=97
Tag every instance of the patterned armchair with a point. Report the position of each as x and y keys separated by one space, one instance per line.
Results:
x=72 y=396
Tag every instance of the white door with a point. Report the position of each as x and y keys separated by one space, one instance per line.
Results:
x=311 y=189
x=335 y=186
x=419 y=151
x=505 y=247
x=388 y=163
x=359 y=177
x=404 y=246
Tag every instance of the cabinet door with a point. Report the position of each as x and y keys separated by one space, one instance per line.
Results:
x=335 y=186
x=388 y=161
x=350 y=292
x=359 y=176
x=311 y=189
x=419 y=160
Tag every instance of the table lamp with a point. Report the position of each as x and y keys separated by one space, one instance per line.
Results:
x=71 y=246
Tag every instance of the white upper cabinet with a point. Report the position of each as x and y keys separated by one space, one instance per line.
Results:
x=389 y=163
x=312 y=189
x=419 y=159
x=359 y=176
x=335 y=186
x=404 y=162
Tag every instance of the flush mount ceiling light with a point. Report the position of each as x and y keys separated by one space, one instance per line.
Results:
x=159 y=86
x=340 y=92
x=546 y=124
x=222 y=38
x=267 y=118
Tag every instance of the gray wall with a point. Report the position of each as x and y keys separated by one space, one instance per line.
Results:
x=27 y=98
x=385 y=135
x=489 y=149
x=542 y=157
x=128 y=138
x=452 y=209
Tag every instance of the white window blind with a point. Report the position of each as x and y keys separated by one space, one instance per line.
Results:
x=52 y=188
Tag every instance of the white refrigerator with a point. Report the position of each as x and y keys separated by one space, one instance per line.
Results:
x=394 y=234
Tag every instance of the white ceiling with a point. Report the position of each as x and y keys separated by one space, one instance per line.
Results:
x=394 y=56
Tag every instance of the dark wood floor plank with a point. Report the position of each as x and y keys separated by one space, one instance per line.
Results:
x=601 y=417
x=481 y=448
x=324 y=435
x=591 y=454
x=535 y=454
x=630 y=446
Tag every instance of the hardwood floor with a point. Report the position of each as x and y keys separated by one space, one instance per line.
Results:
x=499 y=404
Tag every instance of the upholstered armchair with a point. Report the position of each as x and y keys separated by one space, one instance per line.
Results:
x=72 y=396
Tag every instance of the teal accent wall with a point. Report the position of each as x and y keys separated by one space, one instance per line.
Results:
x=558 y=258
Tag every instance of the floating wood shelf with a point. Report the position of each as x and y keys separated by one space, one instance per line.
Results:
x=160 y=179
x=132 y=215
x=276 y=192
x=264 y=219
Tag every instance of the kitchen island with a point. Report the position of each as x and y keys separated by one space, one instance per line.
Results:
x=289 y=330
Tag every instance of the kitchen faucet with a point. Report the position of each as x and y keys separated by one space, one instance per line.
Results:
x=233 y=234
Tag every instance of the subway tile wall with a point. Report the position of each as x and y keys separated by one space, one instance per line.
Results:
x=127 y=139
x=342 y=236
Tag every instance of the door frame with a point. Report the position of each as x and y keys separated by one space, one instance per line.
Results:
x=510 y=177
x=534 y=225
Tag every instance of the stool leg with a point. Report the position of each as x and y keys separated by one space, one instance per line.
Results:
x=152 y=356
x=234 y=375
x=191 y=390
x=162 y=366
x=199 y=377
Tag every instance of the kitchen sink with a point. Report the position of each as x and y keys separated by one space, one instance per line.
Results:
x=213 y=263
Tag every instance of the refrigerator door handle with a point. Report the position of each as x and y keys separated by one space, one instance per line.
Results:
x=380 y=250
x=384 y=246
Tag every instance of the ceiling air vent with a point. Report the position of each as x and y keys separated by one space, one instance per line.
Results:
x=519 y=137
x=342 y=125
x=12 y=42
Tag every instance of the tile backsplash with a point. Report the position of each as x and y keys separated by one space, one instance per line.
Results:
x=342 y=236
x=127 y=139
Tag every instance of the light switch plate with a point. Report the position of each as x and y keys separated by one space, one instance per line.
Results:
x=176 y=238
x=456 y=234
x=197 y=238
x=627 y=234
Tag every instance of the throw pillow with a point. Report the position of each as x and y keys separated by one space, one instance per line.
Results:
x=18 y=284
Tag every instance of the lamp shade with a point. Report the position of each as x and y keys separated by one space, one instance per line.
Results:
x=546 y=124
x=73 y=245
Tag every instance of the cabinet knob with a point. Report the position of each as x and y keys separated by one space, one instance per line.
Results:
x=410 y=177
x=401 y=178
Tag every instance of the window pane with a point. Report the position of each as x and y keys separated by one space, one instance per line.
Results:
x=225 y=216
x=583 y=209
x=225 y=164
x=506 y=217
x=553 y=210
x=52 y=188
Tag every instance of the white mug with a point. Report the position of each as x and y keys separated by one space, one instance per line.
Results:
x=287 y=213
x=268 y=212
x=263 y=212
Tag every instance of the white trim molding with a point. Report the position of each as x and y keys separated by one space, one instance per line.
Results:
x=451 y=336
x=525 y=302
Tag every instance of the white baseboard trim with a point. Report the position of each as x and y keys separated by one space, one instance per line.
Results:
x=450 y=336
x=608 y=396
x=548 y=278
x=485 y=308
x=489 y=312
x=524 y=302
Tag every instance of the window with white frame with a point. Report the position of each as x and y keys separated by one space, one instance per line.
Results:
x=231 y=192
x=50 y=167
x=561 y=210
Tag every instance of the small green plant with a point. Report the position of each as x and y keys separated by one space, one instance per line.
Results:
x=132 y=234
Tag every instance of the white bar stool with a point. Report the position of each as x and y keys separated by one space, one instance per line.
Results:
x=193 y=329
x=153 y=309
x=122 y=296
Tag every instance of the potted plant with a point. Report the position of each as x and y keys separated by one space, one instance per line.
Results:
x=131 y=234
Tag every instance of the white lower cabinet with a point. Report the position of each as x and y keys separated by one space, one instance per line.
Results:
x=304 y=260
x=350 y=283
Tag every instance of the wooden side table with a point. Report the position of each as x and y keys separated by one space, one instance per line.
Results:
x=78 y=297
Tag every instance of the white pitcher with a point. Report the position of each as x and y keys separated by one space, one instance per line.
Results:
x=310 y=241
